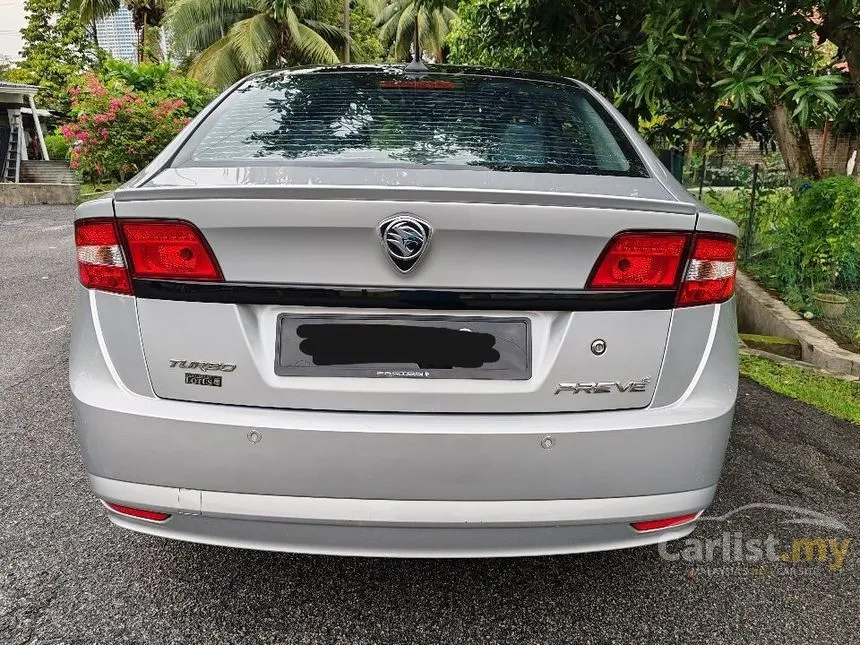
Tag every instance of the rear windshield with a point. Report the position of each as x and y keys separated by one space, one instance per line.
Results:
x=440 y=120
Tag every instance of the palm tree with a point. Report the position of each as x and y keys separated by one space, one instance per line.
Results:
x=143 y=13
x=233 y=38
x=396 y=21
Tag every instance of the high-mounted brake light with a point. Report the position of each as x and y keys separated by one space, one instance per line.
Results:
x=100 y=258
x=641 y=261
x=710 y=274
x=138 y=513
x=416 y=85
x=168 y=250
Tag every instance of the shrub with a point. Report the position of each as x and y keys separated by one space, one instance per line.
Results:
x=157 y=80
x=58 y=147
x=117 y=130
x=816 y=244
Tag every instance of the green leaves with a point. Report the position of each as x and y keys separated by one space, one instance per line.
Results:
x=89 y=10
x=253 y=40
x=813 y=97
x=56 y=47
x=396 y=20
x=233 y=38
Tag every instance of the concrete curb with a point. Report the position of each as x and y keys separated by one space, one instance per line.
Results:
x=782 y=360
x=761 y=313
x=30 y=194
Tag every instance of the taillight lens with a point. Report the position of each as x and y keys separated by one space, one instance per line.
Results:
x=656 y=261
x=665 y=523
x=139 y=513
x=641 y=261
x=710 y=274
x=168 y=250
x=100 y=259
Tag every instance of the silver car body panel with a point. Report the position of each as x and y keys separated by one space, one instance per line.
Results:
x=401 y=466
x=422 y=529
x=137 y=438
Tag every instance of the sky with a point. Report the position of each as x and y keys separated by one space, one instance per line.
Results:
x=11 y=22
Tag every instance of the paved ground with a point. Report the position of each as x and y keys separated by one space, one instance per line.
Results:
x=68 y=576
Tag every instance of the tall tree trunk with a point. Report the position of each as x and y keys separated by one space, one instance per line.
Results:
x=793 y=144
x=417 y=42
x=141 y=48
x=346 y=30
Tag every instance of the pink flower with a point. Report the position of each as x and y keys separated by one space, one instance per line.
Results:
x=75 y=163
x=103 y=118
x=104 y=133
x=95 y=87
x=115 y=104
x=83 y=118
x=74 y=91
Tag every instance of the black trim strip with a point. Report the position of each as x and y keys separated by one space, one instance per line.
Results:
x=388 y=298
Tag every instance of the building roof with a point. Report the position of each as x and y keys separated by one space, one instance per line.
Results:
x=6 y=86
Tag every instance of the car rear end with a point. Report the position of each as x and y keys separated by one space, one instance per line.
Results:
x=361 y=312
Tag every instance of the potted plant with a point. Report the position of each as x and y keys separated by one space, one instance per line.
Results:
x=832 y=305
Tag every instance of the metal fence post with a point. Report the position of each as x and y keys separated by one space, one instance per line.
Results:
x=704 y=170
x=750 y=227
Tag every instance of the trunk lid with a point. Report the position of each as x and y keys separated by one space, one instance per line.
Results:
x=492 y=242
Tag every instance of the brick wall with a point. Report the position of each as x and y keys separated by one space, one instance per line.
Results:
x=837 y=151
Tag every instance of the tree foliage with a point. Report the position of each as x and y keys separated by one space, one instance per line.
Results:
x=718 y=68
x=144 y=14
x=233 y=38
x=593 y=41
x=397 y=20
x=364 y=37
x=56 y=47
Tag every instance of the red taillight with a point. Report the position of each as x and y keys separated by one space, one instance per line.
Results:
x=168 y=250
x=139 y=513
x=657 y=261
x=710 y=274
x=100 y=259
x=641 y=261
x=665 y=523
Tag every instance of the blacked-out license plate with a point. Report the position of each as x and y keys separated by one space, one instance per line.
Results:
x=459 y=347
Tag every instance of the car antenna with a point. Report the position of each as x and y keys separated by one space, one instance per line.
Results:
x=417 y=66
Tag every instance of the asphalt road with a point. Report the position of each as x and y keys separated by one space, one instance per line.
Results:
x=68 y=576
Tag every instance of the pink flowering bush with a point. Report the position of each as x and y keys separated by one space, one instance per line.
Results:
x=116 y=130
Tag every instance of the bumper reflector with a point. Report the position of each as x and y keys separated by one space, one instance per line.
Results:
x=665 y=523
x=138 y=513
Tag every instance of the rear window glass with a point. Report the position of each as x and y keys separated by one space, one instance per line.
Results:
x=360 y=119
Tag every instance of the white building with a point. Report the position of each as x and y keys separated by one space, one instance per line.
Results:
x=116 y=34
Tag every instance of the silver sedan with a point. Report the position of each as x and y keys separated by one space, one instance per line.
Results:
x=385 y=311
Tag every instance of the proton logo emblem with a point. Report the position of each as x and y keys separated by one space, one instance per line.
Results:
x=405 y=238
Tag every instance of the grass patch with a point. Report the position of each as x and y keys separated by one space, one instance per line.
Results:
x=94 y=191
x=834 y=396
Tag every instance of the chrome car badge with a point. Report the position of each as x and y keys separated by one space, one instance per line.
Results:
x=604 y=387
x=405 y=239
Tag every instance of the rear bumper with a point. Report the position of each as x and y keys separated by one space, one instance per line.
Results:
x=399 y=528
x=401 y=484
